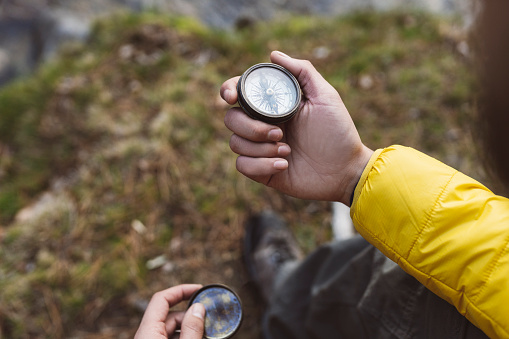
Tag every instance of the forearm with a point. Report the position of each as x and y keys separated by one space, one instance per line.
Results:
x=445 y=229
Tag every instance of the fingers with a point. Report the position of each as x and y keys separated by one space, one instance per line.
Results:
x=156 y=321
x=241 y=124
x=173 y=321
x=229 y=90
x=245 y=147
x=256 y=168
x=161 y=302
x=193 y=323
x=312 y=83
x=258 y=145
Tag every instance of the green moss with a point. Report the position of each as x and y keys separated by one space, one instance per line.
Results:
x=11 y=236
x=10 y=203
x=74 y=302
x=164 y=234
x=114 y=277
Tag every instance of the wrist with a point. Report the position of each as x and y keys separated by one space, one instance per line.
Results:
x=354 y=172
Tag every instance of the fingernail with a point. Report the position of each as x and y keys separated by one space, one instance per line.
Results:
x=281 y=164
x=275 y=134
x=284 y=150
x=227 y=95
x=283 y=54
x=198 y=310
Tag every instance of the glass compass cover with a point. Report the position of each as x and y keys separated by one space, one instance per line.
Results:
x=270 y=91
x=223 y=310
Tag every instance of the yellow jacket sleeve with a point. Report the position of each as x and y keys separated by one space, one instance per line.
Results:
x=442 y=227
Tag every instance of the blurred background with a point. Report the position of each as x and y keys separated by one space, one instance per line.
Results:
x=116 y=179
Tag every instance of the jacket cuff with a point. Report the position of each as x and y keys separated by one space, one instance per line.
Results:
x=362 y=180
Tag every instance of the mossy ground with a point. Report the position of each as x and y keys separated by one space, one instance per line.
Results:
x=115 y=154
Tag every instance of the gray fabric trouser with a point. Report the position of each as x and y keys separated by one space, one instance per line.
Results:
x=349 y=289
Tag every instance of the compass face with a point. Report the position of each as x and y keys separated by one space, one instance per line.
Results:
x=223 y=314
x=269 y=92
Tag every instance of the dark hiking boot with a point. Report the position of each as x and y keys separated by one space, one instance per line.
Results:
x=268 y=245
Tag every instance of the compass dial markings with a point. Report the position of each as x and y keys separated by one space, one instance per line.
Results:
x=271 y=91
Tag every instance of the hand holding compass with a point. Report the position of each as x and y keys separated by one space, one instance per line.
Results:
x=317 y=154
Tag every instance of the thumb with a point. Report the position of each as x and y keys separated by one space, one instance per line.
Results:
x=193 y=323
x=313 y=85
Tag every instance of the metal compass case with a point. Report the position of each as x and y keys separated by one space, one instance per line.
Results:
x=269 y=92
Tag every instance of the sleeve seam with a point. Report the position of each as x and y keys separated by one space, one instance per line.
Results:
x=430 y=215
x=492 y=269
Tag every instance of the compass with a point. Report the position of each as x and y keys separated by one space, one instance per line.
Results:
x=269 y=92
x=223 y=310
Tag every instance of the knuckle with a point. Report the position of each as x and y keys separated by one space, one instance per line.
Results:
x=239 y=164
x=235 y=143
x=157 y=296
x=306 y=64
x=224 y=87
x=258 y=132
x=274 y=150
x=228 y=119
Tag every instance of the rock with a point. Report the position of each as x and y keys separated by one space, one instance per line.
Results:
x=138 y=226
x=156 y=262
x=463 y=48
x=62 y=26
x=49 y=203
x=321 y=52
x=4 y=60
x=366 y=81
x=7 y=71
x=168 y=267
x=20 y=51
